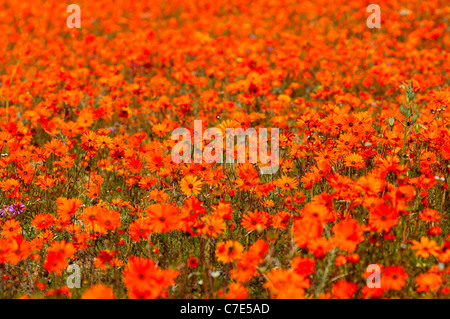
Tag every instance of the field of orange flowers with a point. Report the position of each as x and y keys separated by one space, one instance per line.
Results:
x=94 y=206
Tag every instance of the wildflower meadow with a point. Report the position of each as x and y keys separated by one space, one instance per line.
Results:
x=226 y=149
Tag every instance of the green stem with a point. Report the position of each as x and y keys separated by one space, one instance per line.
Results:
x=404 y=142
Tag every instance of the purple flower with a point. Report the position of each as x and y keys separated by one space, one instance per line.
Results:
x=3 y=211
x=12 y=209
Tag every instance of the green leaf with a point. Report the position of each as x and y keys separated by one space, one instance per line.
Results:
x=391 y=121
x=403 y=109
x=422 y=126
x=409 y=87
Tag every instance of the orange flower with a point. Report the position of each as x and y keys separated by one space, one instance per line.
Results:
x=45 y=182
x=106 y=259
x=11 y=228
x=285 y=284
x=43 y=221
x=415 y=85
x=19 y=249
x=138 y=229
x=190 y=185
x=144 y=279
x=98 y=291
x=108 y=219
x=303 y=266
x=306 y=230
x=281 y=220
x=428 y=281
x=394 y=277
x=383 y=217
x=348 y=234
x=162 y=218
x=286 y=183
x=236 y=291
x=343 y=289
x=425 y=247
x=4 y=249
x=160 y=129
x=229 y=251
x=319 y=246
x=317 y=211
x=256 y=220
x=444 y=257
x=213 y=226
x=57 y=255
x=68 y=206
x=245 y=268
x=430 y=215
x=428 y=158
x=354 y=160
